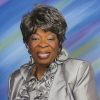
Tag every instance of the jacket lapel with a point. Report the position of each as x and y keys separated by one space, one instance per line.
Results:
x=60 y=89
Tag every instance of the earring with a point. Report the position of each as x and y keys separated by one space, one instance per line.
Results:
x=32 y=60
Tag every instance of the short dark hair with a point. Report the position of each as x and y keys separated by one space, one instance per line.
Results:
x=45 y=17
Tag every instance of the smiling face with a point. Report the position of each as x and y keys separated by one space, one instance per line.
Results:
x=44 y=47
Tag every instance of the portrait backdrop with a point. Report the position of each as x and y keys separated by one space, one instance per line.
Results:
x=82 y=37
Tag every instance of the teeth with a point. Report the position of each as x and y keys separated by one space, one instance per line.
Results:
x=43 y=55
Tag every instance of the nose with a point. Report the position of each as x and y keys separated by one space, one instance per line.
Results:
x=43 y=44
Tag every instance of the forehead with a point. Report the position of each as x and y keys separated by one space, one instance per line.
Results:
x=42 y=32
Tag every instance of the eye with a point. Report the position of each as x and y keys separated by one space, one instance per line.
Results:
x=34 y=38
x=51 y=38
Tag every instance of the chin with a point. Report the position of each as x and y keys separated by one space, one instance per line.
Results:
x=44 y=61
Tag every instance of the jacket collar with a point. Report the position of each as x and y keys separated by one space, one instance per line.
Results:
x=63 y=56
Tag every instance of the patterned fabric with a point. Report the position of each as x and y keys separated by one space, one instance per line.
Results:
x=34 y=89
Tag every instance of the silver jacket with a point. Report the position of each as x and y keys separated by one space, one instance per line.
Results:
x=74 y=80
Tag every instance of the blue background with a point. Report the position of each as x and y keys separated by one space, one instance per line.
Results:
x=83 y=34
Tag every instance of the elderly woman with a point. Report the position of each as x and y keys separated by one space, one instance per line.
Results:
x=50 y=75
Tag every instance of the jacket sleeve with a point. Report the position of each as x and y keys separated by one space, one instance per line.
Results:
x=13 y=85
x=9 y=87
x=85 y=88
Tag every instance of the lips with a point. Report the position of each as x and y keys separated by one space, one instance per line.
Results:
x=43 y=55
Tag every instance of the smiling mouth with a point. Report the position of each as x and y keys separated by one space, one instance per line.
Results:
x=44 y=55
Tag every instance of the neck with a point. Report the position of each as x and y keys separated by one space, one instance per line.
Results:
x=39 y=70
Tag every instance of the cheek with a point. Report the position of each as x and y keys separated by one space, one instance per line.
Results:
x=55 y=45
x=33 y=44
x=32 y=48
x=55 y=48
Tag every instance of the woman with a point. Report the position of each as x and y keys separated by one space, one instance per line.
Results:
x=50 y=75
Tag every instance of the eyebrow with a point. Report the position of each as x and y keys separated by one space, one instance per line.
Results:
x=52 y=34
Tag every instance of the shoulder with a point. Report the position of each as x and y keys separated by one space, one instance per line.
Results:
x=14 y=78
x=17 y=75
x=75 y=68
x=76 y=64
